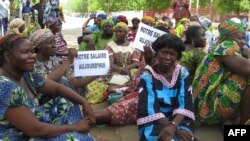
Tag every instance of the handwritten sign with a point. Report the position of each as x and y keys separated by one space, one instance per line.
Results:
x=92 y=63
x=146 y=35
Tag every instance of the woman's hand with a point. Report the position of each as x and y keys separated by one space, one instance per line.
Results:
x=246 y=52
x=167 y=133
x=82 y=125
x=72 y=54
x=184 y=135
x=148 y=55
x=88 y=112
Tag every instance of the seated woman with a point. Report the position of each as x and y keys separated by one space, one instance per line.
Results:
x=55 y=25
x=165 y=102
x=193 y=55
x=98 y=40
x=124 y=111
x=221 y=85
x=53 y=68
x=57 y=120
x=123 y=56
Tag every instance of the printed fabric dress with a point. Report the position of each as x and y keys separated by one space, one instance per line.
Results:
x=159 y=99
x=58 y=111
x=191 y=60
x=217 y=90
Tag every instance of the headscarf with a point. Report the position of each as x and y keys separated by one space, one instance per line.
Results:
x=102 y=15
x=114 y=19
x=183 y=20
x=229 y=27
x=148 y=18
x=14 y=26
x=161 y=23
x=106 y=21
x=52 y=21
x=40 y=36
x=7 y=40
x=205 y=22
x=122 y=25
x=122 y=18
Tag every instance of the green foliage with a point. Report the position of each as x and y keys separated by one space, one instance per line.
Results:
x=223 y=6
x=226 y=6
x=79 y=5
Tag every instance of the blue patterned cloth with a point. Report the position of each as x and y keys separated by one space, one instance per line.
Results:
x=57 y=111
x=159 y=99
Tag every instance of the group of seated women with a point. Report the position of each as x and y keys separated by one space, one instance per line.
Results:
x=172 y=85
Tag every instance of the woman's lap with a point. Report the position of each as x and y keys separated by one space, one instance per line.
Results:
x=60 y=111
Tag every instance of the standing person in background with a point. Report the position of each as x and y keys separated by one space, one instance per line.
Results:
x=4 y=12
x=181 y=9
x=27 y=12
x=133 y=30
x=40 y=9
x=51 y=10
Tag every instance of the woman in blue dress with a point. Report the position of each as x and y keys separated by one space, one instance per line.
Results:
x=165 y=102
x=21 y=116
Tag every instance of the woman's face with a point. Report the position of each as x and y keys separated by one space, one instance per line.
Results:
x=22 y=57
x=48 y=47
x=108 y=28
x=120 y=33
x=200 y=39
x=167 y=57
x=135 y=24
x=98 y=21
x=240 y=38
x=21 y=29
x=55 y=27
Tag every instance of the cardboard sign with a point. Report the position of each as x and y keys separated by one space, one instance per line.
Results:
x=146 y=35
x=92 y=63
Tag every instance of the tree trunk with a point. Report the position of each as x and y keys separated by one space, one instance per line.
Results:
x=11 y=7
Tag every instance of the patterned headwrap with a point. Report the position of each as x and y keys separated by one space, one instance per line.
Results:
x=122 y=18
x=161 y=23
x=148 y=18
x=229 y=27
x=103 y=16
x=106 y=21
x=14 y=26
x=52 y=21
x=122 y=25
x=40 y=36
x=205 y=22
x=7 y=41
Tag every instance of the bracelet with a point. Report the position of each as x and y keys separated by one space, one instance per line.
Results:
x=173 y=123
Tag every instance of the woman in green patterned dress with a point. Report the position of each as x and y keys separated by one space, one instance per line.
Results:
x=99 y=40
x=193 y=55
x=221 y=81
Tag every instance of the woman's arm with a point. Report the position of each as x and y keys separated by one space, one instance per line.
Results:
x=236 y=64
x=61 y=70
x=35 y=128
x=52 y=87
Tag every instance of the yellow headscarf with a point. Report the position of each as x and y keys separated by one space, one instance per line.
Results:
x=148 y=18
x=122 y=25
